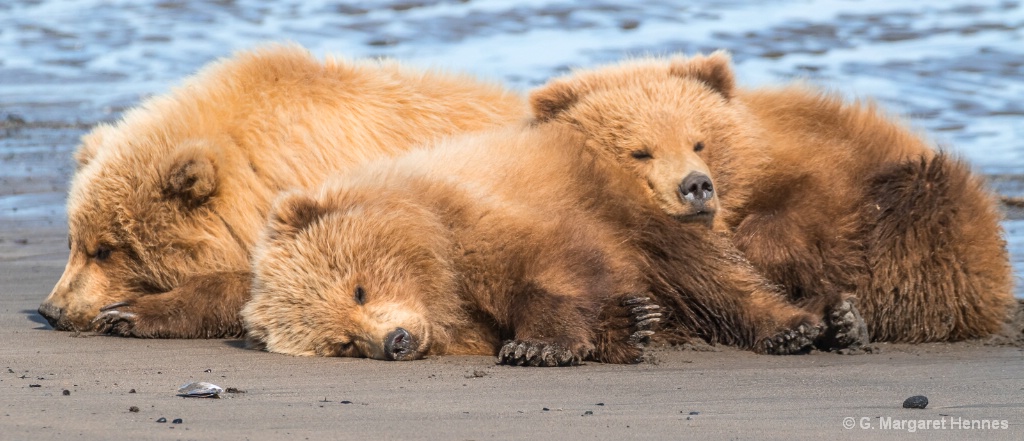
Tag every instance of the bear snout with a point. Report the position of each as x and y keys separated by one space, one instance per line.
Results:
x=51 y=313
x=399 y=345
x=696 y=189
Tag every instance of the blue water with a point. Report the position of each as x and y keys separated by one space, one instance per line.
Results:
x=955 y=69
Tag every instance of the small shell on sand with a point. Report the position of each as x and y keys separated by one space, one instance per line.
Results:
x=200 y=389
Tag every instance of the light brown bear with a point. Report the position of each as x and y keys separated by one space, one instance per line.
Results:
x=165 y=205
x=516 y=242
x=826 y=198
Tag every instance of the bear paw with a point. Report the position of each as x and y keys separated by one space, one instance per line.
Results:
x=645 y=316
x=625 y=328
x=791 y=341
x=845 y=328
x=537 y=353
x=116 y=319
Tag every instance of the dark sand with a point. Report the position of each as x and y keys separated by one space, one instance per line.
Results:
x=732 y=394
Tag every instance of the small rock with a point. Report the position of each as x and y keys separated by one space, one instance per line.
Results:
x=35 y=385
x=600 y=404
x=545 y=409
x=346 y=402
x=161 y=420
x=694 y=412
x=66 y=392
x=177 y=421
x=134 y=409
x=232 y=390
x=131 y=391
x=589 y=412
x=916 y=402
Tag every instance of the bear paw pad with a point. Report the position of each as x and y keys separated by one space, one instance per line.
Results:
x=845 y=329
x=791 y=341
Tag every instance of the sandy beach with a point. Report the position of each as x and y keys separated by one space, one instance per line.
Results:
x=61 y=385
x=952 y=68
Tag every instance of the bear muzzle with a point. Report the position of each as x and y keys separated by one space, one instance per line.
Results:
x=697 y=194
x=54 y=315
x=400 y=345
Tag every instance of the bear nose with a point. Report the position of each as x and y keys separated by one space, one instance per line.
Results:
x=696 y=188
x=51 y=313
x=398 y=345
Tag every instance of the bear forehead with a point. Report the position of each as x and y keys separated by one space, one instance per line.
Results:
x=670 y=95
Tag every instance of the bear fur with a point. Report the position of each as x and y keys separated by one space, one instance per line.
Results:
x=518 y=242
x=165 y=205
x=826 y=198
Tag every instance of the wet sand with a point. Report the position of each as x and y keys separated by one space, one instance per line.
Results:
x=694 y=392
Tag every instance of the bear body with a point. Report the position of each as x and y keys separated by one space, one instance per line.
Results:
x=828 y=199
x=165 y=206
x=518 y=242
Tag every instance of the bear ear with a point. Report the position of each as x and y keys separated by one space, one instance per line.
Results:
x=292 y=213
x=715 y=70
x=190 y=175
x=553 y=98
x=92 y=142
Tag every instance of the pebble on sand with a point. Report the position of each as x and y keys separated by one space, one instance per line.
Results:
x=916 y=402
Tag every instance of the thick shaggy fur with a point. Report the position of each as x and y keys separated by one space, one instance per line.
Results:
x=520 y=233
x=827 y=198
x=165 y=205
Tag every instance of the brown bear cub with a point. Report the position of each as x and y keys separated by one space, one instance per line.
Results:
x=826 y=198
x=165 y=206
x=518 y=242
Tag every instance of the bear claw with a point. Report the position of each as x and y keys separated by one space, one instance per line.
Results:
x=534 y=353
x=645 y=316
x=114 y=322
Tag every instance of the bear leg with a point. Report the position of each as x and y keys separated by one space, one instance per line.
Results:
x=550 y=329
x=808 y=251
x=205 y=306
x=939 y=264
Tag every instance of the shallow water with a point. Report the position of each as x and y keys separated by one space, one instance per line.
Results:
x=954 y=68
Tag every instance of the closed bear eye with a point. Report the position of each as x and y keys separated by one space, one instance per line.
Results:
x=102 y=253
x=698 y=146
x=641 y=154
x=360 y=295
x=345 y=348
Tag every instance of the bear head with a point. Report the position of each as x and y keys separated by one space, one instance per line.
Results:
x=352 y=273
x=144 y=214
x=672 y=123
